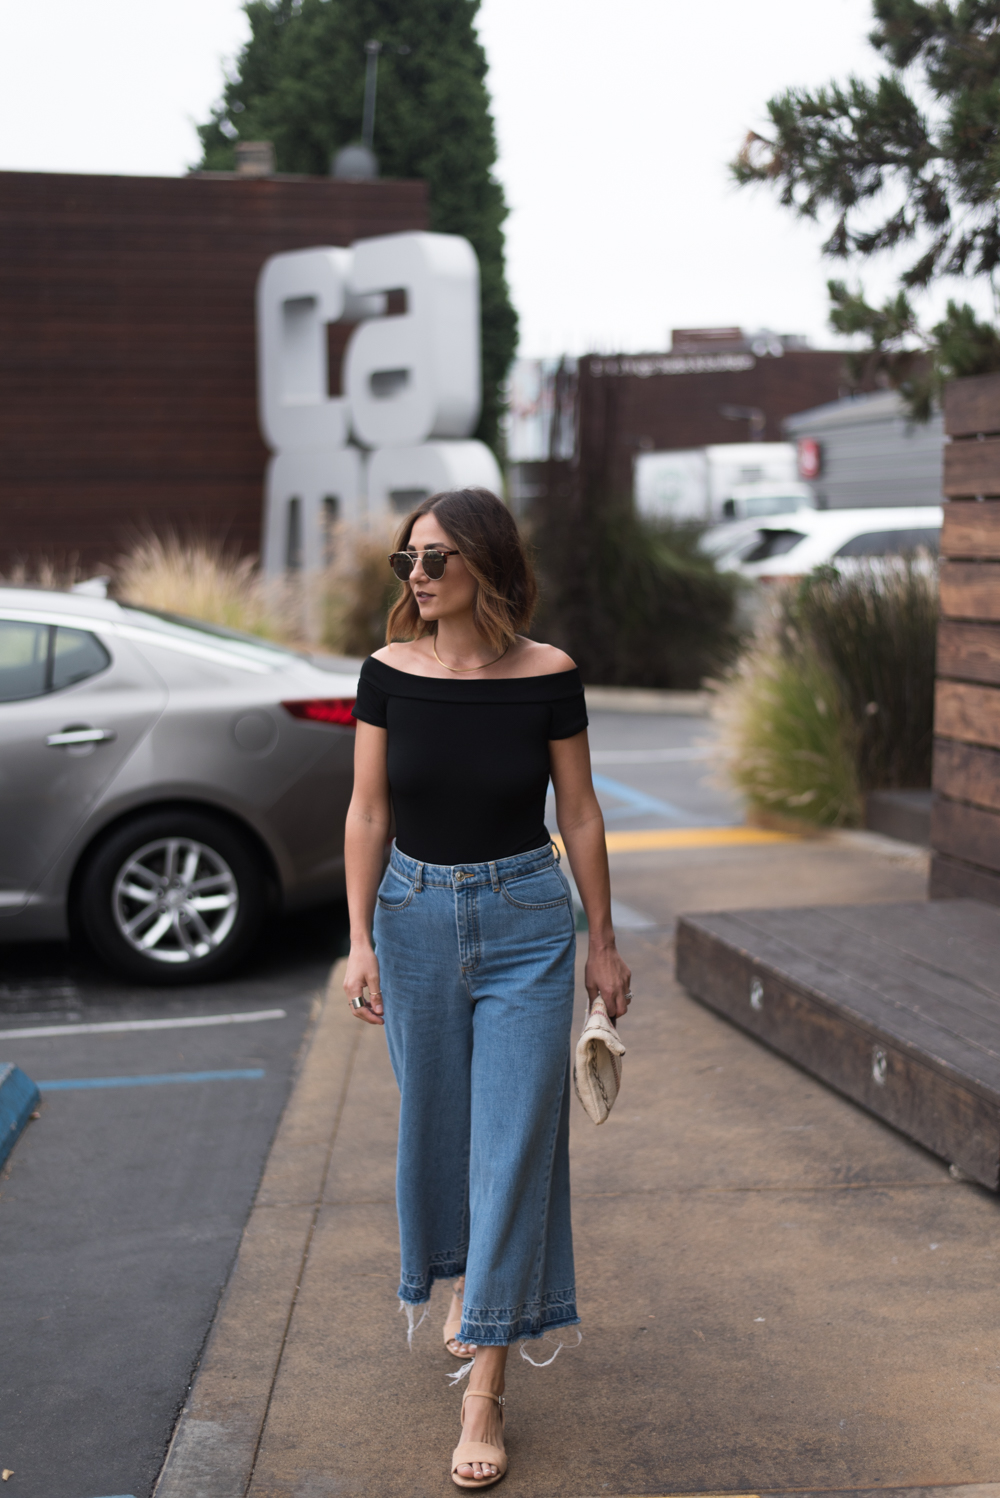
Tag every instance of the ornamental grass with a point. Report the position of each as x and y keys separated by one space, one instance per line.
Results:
x=836 y=697
x=201 y=580
x=341 y=609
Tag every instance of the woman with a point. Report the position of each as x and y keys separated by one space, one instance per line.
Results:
x=461 y=721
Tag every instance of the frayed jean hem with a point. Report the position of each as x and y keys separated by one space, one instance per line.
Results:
x=416 y=1292
x=499 y=1328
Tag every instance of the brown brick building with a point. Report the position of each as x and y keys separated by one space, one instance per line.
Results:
x=128 y=397
x=715 y=385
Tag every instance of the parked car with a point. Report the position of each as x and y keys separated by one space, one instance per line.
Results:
x=792 y=547
x=163 y=782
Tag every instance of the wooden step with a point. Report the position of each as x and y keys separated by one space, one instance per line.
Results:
x=896 y=1006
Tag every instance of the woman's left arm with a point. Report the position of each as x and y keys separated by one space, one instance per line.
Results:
x=582 y=828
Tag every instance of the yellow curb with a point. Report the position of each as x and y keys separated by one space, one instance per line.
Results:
x=689 y=837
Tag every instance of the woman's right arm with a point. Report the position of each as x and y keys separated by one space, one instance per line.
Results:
x=365 y=834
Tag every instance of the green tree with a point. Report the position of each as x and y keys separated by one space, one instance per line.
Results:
x=912 y=160
x=299 y=82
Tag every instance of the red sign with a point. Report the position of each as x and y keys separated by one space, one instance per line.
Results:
x=810 y=458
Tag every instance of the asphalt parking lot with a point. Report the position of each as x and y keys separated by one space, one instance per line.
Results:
x=122 y=1205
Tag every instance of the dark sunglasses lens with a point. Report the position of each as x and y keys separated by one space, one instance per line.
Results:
x=434 y=565
x=402 y=564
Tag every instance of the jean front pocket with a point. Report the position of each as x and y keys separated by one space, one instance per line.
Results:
x=545 y=889
x=396 y=891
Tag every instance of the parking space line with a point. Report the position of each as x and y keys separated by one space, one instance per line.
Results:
x=637 y=803
x=72 y=1084
x=190 y=1022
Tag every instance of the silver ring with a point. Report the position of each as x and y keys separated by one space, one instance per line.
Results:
x=629 y=994
x=358 y=1003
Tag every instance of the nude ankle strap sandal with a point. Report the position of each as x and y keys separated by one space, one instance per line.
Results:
x=467 y=1452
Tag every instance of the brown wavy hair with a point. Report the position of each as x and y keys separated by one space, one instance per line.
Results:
x=484 y=531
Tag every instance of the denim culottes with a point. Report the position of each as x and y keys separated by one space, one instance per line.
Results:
x=476 y=963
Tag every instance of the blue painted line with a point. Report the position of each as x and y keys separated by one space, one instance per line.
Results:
x=71 y=1084
x=18 y=1100
x=638 y=803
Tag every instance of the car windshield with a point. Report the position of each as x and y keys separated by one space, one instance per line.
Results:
x=241 y=642
x=768 y=543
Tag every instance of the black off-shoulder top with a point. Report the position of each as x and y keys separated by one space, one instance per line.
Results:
x=469 y=760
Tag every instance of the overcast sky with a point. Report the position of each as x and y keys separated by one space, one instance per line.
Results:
x=616 y=119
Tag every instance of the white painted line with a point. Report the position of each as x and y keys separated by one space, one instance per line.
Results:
x=683 y=754
x=191 y=1022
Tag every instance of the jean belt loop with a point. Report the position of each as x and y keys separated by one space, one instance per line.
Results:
x=419 y=884
x=494 y=878
x=555 y=853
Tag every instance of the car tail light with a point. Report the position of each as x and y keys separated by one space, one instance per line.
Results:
x=338 y=710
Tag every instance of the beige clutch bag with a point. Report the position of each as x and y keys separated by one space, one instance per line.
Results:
x=597 y=1065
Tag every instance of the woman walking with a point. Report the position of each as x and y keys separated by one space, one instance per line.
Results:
x=466 y=943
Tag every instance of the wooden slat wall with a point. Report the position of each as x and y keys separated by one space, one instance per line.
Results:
x=965 y=828
x=127 y=348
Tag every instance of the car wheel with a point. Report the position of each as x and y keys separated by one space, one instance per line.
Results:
x=173 y=897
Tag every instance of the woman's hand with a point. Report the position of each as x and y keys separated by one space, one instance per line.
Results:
x=582 y=828
x=362 y=973
x=607 y=974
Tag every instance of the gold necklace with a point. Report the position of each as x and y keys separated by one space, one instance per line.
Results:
x=465 y=668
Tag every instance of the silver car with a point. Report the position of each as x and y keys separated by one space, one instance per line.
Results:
x=163 y=783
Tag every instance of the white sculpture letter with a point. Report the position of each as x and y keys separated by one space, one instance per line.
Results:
x=415 y=376
x=400 y=478
x=411 y=382
x=297 y=295
x=306 y=493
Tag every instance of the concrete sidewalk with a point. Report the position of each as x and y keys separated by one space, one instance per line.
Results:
x=778 y=1292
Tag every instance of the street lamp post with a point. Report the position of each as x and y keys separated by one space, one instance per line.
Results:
x=372 y=49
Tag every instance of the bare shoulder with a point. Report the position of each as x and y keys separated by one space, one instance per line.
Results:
x=545 y=660
x=403 y=654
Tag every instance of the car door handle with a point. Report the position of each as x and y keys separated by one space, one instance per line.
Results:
x=70 y=736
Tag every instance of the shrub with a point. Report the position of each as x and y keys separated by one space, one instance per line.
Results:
x=632 y=600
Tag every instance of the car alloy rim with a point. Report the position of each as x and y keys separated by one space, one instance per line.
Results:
x=175 y=900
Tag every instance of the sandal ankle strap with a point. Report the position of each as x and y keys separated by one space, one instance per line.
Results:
x=482 y=1394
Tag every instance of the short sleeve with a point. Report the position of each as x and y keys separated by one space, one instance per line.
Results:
x=569 y=716
x=370 y=704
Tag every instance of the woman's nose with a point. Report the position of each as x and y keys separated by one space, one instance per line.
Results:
x=418 y=574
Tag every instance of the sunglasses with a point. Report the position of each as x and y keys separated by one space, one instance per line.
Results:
x=434 y=563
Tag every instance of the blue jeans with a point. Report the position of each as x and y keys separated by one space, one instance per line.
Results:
x=476 y=965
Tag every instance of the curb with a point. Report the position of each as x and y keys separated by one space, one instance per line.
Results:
x=648 y=700
x=214 y=1445
x=19 y=1097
